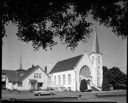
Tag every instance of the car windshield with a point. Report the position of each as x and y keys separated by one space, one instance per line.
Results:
x=50 y=89
x=39 y=90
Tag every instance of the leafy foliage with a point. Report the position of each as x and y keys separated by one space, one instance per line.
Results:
x=117 y=78
x=40 y=22
x=114 y=77
x=113 y=14
x=105 y=84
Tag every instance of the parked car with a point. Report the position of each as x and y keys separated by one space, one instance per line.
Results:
x=44 y=92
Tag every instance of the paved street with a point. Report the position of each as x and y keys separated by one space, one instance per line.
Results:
x=69 y=96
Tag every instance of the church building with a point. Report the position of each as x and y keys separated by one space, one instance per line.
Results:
x=68 y=74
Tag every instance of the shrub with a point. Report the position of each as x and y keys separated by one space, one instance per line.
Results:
x=105 y=85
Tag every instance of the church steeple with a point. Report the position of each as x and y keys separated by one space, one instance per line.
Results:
x=96 y=58
x=96 y=48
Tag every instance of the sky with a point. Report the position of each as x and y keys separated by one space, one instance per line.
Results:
x=113 y=48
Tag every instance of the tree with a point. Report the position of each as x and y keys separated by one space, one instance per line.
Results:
x=83 y=85
x=117 y=78
x=105 y=84
x=40 y=22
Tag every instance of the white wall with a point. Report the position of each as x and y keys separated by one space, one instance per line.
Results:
x=8 y=84
x=72 y=85
x=75 y=84
x=85 y=60
x=97 y=64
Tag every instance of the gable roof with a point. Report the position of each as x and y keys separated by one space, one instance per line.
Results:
x=12 y=75
x=66 y=65
x=28 y=72
x=15 y=76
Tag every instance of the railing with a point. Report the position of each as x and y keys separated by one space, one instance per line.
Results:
x=95 y=87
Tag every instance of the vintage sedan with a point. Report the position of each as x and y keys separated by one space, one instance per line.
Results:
x=44 y=92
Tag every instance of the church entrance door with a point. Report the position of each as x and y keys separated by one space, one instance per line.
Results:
x=83 y=85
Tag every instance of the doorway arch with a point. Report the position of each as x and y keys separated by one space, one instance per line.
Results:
x=85 y=72
x=84 y=77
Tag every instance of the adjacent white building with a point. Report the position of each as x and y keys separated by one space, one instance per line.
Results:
x=33 y=78
x=68 y=74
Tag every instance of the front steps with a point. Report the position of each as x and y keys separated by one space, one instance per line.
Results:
x=94 y=88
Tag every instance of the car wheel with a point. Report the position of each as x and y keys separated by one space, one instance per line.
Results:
x=35 y=94
x=39 y=94
x=51 y=93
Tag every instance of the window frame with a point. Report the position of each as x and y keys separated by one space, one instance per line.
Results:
x=64 y=79
x=69 y=79
x=20 y=84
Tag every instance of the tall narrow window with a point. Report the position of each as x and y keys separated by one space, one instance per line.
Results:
x=35 y=75
x=69 y=79
x=58 y=79
x=92 y=59
x=98 y=59
x=98 y=75
x=39 y=75
x=64 y=82
x=55 y=79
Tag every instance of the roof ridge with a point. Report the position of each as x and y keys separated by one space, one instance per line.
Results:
x=29 y=71
x=8 y=70
x=70 y=58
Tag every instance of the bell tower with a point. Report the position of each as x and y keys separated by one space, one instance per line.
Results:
x=96 y=59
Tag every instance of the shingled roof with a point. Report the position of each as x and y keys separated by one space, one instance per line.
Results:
x=66 y=65
x=15 y=76
x=12 y=75
x=28 y=72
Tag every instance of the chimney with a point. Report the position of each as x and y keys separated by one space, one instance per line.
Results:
x=45 y=68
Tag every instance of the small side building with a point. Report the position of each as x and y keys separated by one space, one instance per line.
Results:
x=33 y=78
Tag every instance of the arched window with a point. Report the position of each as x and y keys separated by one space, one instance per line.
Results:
x=85 y=72
x=69 y=79
x=98 y=71
x=64 y=79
